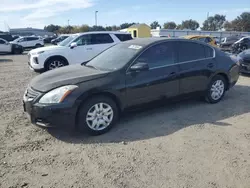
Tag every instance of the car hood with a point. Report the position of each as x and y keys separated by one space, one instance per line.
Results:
x=69 y=75
x=47 y=48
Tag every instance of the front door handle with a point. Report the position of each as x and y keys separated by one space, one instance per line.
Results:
x=89 y=48
x=210 y=65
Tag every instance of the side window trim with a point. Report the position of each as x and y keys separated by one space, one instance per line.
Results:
x=175 y=54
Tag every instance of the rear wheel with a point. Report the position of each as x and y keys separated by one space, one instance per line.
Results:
x=55 y=63
x=97 y=115
x=216 y=89
x=17 y=51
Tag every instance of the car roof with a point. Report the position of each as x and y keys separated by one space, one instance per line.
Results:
x=104 y=32
x=149 y=41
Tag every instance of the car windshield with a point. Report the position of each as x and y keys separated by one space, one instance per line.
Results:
x=67 y=41
x=115 y=57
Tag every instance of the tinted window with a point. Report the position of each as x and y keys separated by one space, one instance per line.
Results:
x=189 y=51
x=209 y=52
x=123 y=37
x=31 y=38
x=101 y=39
x=159 y=55
x=2 y=42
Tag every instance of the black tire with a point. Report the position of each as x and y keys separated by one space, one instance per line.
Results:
x=17 y=51
x=38 y=45
x=49 y=63
x=209 y=98
x=82 y=124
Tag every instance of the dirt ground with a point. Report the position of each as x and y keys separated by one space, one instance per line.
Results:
x=186 y=144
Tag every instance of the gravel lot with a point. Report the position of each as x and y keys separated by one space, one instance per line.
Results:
x=186 y=144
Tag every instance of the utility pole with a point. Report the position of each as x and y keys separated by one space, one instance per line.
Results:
x=207 y=15
x=96 y=17
x=68 y=27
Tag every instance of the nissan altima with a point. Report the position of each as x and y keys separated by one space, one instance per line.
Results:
x=91 y=96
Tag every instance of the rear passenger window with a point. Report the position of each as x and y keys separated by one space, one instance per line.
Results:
x=123 y=37
x=209 y=52
x=101 y=39
x=189 y=51
x=31 y=38
x=159 y=55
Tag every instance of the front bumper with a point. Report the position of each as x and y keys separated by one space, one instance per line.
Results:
x=36 y=62
x=57 y=115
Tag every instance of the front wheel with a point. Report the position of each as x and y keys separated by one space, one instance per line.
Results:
x=216 y=89
x=55 y=63
x=97 y=115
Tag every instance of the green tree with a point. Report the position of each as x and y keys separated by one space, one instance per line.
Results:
x=126 y=25
x=214 y=23
x=241 y=23
x=179 y=26
x=190 y=24
x=97 y=28
x=108 y=28
x=52 y=28
x=154 y=25
x=169 y=25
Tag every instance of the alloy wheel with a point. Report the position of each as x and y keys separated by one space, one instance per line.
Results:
x=217 y=89
x=99 y=116
x=55 y=64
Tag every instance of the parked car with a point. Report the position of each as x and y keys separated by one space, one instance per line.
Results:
x=6 y=36
x=48 y=39
x=227 y=42
x=76 y=49
x=91 y=96
x=241 y=45
x=244 y=60
x=29 y=42
x=6 y=47
x=203 y=38
x=59 y=39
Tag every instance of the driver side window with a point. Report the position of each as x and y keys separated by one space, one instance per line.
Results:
x=83 y=40
x=22 y=40
x=159 y=55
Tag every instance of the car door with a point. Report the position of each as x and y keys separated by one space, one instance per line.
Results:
x=196 y=63
x=4 y=47
x=23 y=42
x=88 y=46
x=31 y=41
x=161 y=80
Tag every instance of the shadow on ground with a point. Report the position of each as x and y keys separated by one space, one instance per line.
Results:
x=5 y=60
x=164 y=119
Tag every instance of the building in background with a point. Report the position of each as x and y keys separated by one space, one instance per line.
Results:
x=139 y=30
x=30 y=31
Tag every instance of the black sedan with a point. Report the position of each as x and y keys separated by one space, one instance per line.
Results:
x=91 y=96
x=244 y=60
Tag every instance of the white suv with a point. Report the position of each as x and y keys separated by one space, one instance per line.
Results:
x=29 y=42
x=76 y=49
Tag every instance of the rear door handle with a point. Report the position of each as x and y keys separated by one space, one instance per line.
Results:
x=89 y=48
x=210 y=65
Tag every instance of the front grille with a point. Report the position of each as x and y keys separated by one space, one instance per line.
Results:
x=31 y=94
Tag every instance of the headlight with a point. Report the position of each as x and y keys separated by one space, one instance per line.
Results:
x=36 y=53
x=57 y=95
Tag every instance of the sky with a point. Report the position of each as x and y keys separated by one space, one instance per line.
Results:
x=38 y=13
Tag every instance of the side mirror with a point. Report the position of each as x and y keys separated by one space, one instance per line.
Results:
x=139 y=67
x=73 y=45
